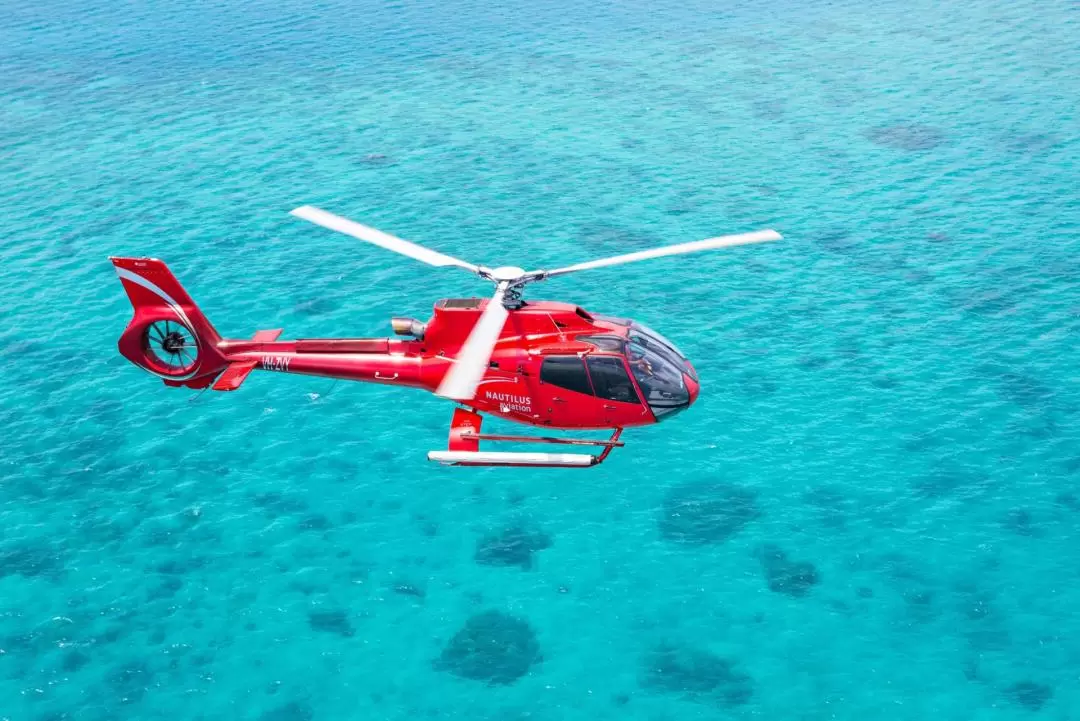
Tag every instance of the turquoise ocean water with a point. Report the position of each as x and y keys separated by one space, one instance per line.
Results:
x=871 y=512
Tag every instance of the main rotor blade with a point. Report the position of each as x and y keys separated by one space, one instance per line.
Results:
x=465 y=373
x=379 y=238
x=724 y=241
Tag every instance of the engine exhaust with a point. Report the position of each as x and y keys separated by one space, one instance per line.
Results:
x=408 y=326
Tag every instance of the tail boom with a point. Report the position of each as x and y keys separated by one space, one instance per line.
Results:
x=407 y=370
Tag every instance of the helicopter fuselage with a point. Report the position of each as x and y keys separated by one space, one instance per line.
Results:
x=545 y=369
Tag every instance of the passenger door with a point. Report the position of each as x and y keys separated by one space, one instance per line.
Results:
x=566 y=395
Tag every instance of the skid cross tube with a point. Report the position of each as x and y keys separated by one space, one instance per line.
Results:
x=611 y=442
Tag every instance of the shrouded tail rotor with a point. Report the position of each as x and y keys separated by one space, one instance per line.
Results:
x=172 y=347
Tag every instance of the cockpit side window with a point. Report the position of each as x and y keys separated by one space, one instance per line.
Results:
x=610 y=379
x=566 y=372
x=604 y=342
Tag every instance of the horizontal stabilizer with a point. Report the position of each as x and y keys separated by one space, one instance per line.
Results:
x=234 y=375
x=267 y=336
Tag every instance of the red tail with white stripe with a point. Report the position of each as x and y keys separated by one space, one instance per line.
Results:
x=168 y=336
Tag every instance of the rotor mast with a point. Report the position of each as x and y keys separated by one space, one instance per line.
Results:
x=510 y=279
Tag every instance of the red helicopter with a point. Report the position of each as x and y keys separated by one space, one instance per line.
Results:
x=543 y=363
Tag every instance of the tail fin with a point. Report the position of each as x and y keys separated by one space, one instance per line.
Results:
x=168 y=336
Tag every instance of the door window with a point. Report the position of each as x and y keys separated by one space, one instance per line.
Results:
x=610 y=379
x=566 y=372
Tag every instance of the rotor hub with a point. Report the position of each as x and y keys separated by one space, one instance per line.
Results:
x=173 y=342
x=507 y=273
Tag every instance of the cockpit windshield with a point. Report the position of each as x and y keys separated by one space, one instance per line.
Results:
x=647 y=331
x=659 y=373
x=662 y=345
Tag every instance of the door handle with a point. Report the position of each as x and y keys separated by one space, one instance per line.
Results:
x=385 y=378
x=558 y=400
x=610 y=407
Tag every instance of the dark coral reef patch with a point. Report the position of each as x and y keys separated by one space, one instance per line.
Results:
x=511 y=546
x=701 y=513
x=698 y=674
x=493 y=647
x=911 y=138
x=334 y=621
x=791 y=578
x=1029 y=694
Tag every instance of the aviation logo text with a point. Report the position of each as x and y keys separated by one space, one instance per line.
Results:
x=509 y=403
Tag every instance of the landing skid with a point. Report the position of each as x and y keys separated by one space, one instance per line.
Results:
x=464 y=447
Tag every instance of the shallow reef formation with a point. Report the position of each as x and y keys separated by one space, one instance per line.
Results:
x=30 y=559
x=1068 y=501
x=1030 y=143
x=832 y=506
x=910 y=580
x=166 y=588
x=704 y=512
x=911 y=138
x=840 y=241
x=315 y=307
x=791 y=578
x=494 y=647
x=697 y=674
x=769 y=109
x=73 y=661
x=428 y=526
x=603 y=235
x=129 y=681
x=405 y=588
x=513 y=545
x=1029 y=694
x=375 y=159
x=977 y=606
x=334 y=621
x=291 y=711
x=314 y=522
x=945 y=482
x=275 y=503
x=1021 y=522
